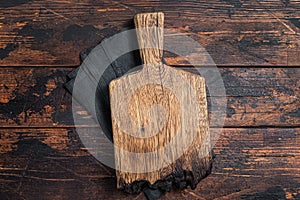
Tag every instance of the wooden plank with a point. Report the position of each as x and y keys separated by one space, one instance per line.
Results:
x=53 y=164
x=234 y=32
x=256 y=97
x=181 y=97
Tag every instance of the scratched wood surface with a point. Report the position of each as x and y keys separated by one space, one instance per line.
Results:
x=254 y=43
x=35 y=97
x=234 y=32
x=39 y=147
x=52 y=163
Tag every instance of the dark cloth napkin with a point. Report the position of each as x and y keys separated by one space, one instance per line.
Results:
x=116 y=69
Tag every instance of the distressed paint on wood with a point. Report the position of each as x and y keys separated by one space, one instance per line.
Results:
x=48 y=33
x=55 y=161
x=256 y=97
x=253 y=163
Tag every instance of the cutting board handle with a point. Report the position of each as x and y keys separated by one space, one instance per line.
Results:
x=149 y=29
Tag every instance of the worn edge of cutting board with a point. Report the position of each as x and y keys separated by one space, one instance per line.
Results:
x=191 y=162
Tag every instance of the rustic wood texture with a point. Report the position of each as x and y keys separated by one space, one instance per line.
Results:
x=234 y=32
x=150 y=37
x=53 y=164
x=140 y=131
x=35 y=97
x=257 y=156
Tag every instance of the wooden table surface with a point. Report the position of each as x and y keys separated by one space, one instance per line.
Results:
x=256 y=45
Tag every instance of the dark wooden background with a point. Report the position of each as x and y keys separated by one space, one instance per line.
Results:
x=254 y=43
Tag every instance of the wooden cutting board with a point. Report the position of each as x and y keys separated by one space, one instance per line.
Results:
x=159 y=108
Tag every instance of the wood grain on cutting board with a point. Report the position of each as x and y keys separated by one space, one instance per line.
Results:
x=178 y=102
